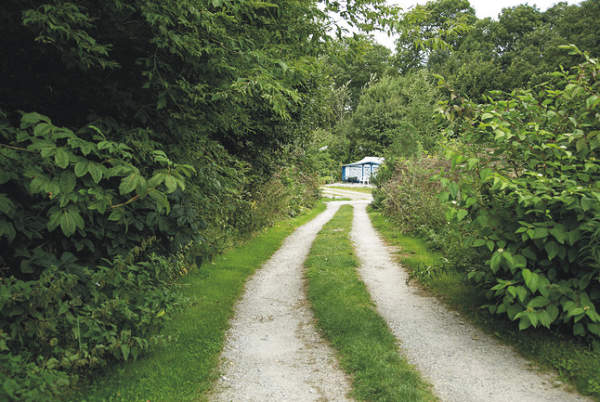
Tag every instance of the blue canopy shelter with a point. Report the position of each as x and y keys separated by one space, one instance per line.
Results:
x=361 y=171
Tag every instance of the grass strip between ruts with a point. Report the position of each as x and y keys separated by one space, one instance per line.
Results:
x=576 y=362
x=186 y=368
x=347 y=317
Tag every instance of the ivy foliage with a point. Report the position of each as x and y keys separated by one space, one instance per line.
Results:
x=529 y=186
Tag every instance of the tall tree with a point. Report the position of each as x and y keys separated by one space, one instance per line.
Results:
x=395 y=115
x=355 y=61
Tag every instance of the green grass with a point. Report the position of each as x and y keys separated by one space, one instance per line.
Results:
x=347 y=317
x=367 y=190
x=186 y=368
x=576 y=362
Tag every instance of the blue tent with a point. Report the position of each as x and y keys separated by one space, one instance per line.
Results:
x=361 y=171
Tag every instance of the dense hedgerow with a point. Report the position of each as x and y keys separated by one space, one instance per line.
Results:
x=529 y=183
x=410 y=193
x=78 y=285
x=137 y=139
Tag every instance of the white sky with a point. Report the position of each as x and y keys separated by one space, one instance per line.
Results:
x=483 y=9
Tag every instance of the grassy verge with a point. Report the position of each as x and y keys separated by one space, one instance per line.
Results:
x=367 y=190
x=185 y=368
x=576 y=362
x=347 y=317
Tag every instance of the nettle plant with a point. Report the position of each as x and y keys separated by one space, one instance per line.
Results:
x=530 y=186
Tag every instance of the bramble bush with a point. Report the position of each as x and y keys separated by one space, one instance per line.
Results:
x=529 y=186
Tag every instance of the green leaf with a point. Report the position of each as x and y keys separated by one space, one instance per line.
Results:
x=521 y=293
x=116 y=215
x=539 y=233
x=592 y=101
x=129 y=183
x=6 y=205
x=30 y=119
x=513 y=310
x=61 y=158
x=81 y=167
x=478 y=242
x=69 y=220
x=519 y=261
x=460 y=215
x=553 y=312
x=559 y=233
x=531 y=280
x=538 y=302
x=54 y=220
x=156 y=179
x=42 y=129
x=573 y=236
x=495 y=261
x=486 y=174
x=162 y=203
x=552 y=248
x=587 y=203
x=581 y=145
x=533 y=317
x=95 y=170
x=7 y=230
x=170 y=183
x=594 y=328
x=575 y=311
x=544 y=318
x=524 y=323
x=67 y=182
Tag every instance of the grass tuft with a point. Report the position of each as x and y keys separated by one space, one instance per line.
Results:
x=185 y=368
x=347 y=317
x=577 y=362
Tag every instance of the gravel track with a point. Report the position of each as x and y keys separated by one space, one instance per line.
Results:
x=273 y=351
x=353 y=195
x=461 y=362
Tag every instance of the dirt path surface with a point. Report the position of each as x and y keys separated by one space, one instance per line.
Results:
x=273 y=351
x=328 y=191
x=462 y=363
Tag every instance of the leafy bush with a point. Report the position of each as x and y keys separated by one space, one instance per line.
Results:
x=409 y=192
x=77 y=286
x=529 y=183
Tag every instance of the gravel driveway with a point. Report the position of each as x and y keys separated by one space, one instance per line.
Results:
x=461 y=362
x=273 y=351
